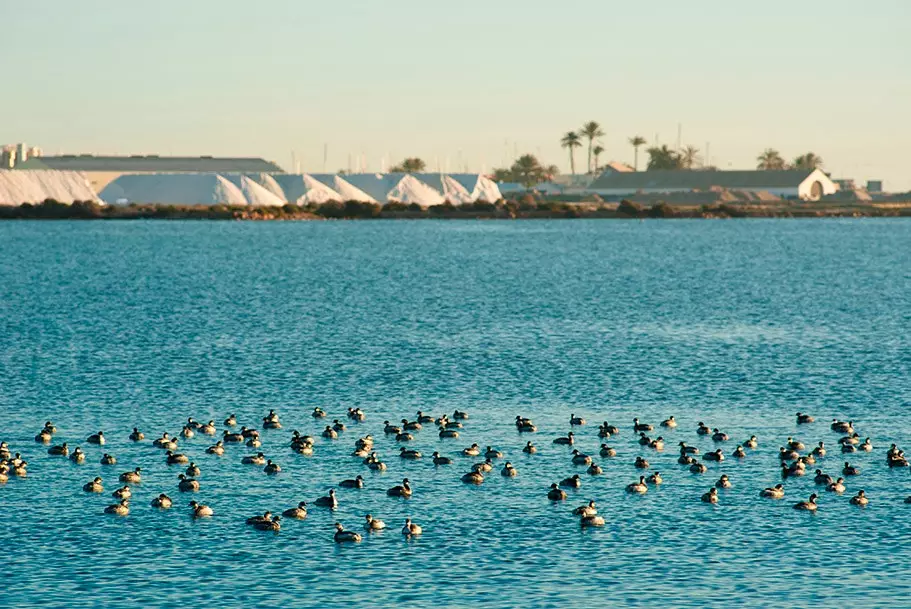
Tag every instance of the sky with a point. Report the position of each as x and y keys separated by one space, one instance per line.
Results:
x=463 y=85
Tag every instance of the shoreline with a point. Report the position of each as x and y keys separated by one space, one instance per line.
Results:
x=504 y=210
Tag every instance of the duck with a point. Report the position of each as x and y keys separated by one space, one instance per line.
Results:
x=845 y=427
x=162 y=502
x=356 y=482
x=187 y=485
x=898 y=460
x=641 y=463
x=591 y=521
x=848 y=449
x=107 y=459
x=374 y=524
x=269 y=525
x=231 y=421
x=580 y=458
x=404 y=437
x=787 y=454
x=492 y=453
x=254 y=442
x=589 y=509
x=264 y=517
x=404 y=453
x=739 y=453
x=655 y=479
x=208 y=429
x=176 y=458
x=605 y=430
x=330 y=501
x=657 y=443
x=199 y=510
x=473 y=477
x=853 y=439
x=448 y=433
x=390 y=428
x=637 y=487
x=96 y=438
x=373 y=462
x=329 y=433
x=859 y=499
x=343 y=536
x=714 y=455
x=303 y=448
x=123 y=492
x=4 y=451
x=233 y=438
x=576 y=421
x=773 y=492
x=133 y=477
x=338 y=426
x=795 y=444
x=94 y=486
x=711 y=496
x=821 y=478
x=644 y=440
x=50 y=427
x=669 y=422
x=892 y=452
x=809 y=505
x=61 y=449
x=606 y=451
x=460 y=415
x=216 y=449
x=719 y=436
x=594 y=469
x=836 y=487
x=529 y=448
x=484 y=467
x=686 y=449
x=318 y=413
x=698 y=468
x=19 y=469
x=78 y=456
x=804 y=419
x=567 y=440
x=555 y=493
x=257 y=459
x=472 y=451
x=866 y=445
x=685 y=459
x=796 y=469
x=752 y=443
x=438 y=460
x=452 y=425
x=723 y=482
x=411 y=529
x=637 y=426
x=420 y=417
x=248 y=433
x=366 y=442
x=412 y=425
x=121 y=508
x=525 y=425
x=703 y=429
x=360 y=452
x=297 y=513
x=166 y=442
x=850 y=470
x=271 y=468
x=44 y=437
x=402 y=490
x=187 y=432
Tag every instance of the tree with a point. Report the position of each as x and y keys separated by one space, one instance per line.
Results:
x=409 y=165
x=597 y=151
x=662 y=158
x=550 y=171
x=770 y=160
x=527 y=170
x=635 y=142
x=689 y=157
x=591 y=130
x=808 y=161
x=571 y=140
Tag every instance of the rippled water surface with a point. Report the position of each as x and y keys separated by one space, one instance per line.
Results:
x=111 y=325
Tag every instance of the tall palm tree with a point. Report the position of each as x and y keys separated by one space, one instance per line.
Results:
x=528 y=170
x=571 y=140
x=770 y=160
x=808 y=161
x=662 y=158
x=597 y=151
x=635 y=142
x=689 y=157
x=591 y=130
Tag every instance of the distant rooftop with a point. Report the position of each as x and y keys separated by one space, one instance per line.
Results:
x=151 y=163
x=700 y=180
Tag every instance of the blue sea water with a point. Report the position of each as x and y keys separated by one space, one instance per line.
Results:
x=111 y=325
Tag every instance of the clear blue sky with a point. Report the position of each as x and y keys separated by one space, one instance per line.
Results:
x=458 y=80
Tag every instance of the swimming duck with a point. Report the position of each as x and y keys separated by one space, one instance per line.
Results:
x=821 y=478
x=484 y=467
x=187 y=485
x=165 y=442
x=848 y=448
x=366 y=442
x=637 y=487
x=796 y=469
x=402 y=490
x=803 y=419
x=580 y=458
x=574 y=420
x=265 y=516
x=162 y=502
x=471 y=451
x=555 y=493
x=594 y=470
x=723 y=482
x=866 y=445
x=343 y=536
x=420 y=417
x=374 y=524
x=657 y=443
x=898 y=460
x=199 y=510
x=685 y=459
x=78 y=456
x=589 y=509
x=451 y=425
x=404 y=453
x=637 y=426
x=208 y=429
x=329 y=433
x=655 y=479
x=231 y=421
x=774 y=492
x=118 y=509
x=187 y=432
x=795 y=444
x=845 y=427
x=473 y=477
x=107 y=459
x=50 y=427
x=525 y=425
x=404 y=437
x=698 y=468
x=216 y=449
x=338 y=426
x=176 y=458
x=448 y=433
x=739 y=453
x=853 y=439
x=644 y=440
x=16 y=461
x=257 y=459
x=318 y=413
x=809 y=505
x=133 y=477
x=850 y=470
x=787 y=454
x=357 y=482
x=373 y=462
x=4 y=450
x=61 y=449
x=96 y=438
x=297 y=513
x=412 y=425
x=892 y=452
x=438 y=460
x=607 y=429
x=690 y=450
x=592 y=521
x=304 y=448
x=18 y=469
x=711 y=496
x=719 y=436
x=703 y=429
x=508 y=470
x=123 y=492
x=272 y=424
x=860 y=498
x=836 y=487
x=492 y=453
x=233 y=438
x=44 y=437
x=329 y=501
x=269 y=525
x=641 y=463
x=820 y=450
x=669 y=422
x=94 y=486
x=529 y=448
x=459 y=415
x=391 y=429
x=714 y=455
x=606 y=451
x=752 y=443
x=567 y=440
x=248 y=433
x=411 y=529
x=271 y=468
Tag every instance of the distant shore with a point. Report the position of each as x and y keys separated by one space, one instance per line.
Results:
x=504 y=210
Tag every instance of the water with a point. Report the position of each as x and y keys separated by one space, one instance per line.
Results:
x=110 y=325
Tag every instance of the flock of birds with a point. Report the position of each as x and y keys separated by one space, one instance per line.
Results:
x=795 y=461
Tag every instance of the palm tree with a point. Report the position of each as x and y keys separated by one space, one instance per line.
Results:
x=409 y=165
x=528 y=170
x=571 y=140
x=689 y=157
x=808 y=161
x=591 y=130
x=662 y=158
x=770 y=160
x=635 y=142
x=597 y=150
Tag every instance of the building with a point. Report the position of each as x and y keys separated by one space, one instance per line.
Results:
x=809 y=185
x=875 y=186
x=102 y=170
